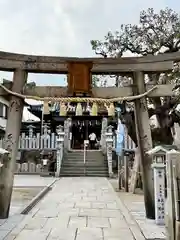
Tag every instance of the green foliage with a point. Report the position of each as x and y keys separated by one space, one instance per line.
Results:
x=154 y=31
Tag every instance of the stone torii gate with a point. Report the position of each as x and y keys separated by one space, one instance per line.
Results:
x=79 y=72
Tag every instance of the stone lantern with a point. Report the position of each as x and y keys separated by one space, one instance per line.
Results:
x=4 y=154
x=159 y=159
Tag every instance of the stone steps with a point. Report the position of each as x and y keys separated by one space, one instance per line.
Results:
x=73 y=164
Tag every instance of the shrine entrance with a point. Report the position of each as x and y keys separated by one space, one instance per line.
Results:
x=80 y=89
x=81 y=129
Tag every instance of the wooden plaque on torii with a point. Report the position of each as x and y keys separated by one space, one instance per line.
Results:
x=79 y=78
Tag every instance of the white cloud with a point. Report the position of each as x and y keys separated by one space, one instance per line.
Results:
x=63 y=27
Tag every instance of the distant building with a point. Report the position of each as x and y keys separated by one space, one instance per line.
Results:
x=26 y=118
x=3 y=115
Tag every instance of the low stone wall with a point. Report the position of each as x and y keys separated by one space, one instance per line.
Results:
x=29 y=162
x=28 y=168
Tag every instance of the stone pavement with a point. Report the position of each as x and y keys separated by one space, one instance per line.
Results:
x=78 y=209
x=135 y=205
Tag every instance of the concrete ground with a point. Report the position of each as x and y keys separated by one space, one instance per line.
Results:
x=32 y=181
x=21 y=197
x=78 y=209
x=26 y=187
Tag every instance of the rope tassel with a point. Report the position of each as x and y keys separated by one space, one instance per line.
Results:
x=111 y=110
x=79 y=111
x=46 y=107
x=63 y=109
x=94 y=110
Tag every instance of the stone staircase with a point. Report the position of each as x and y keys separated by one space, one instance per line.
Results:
x=73 y=164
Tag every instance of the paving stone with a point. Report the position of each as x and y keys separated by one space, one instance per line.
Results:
x=2 y=221
x=26 y=234
x=63 y=234
x=115 y=233
x=8 y=226
x=68 y=212
x=111 y=213
x=3 y=234
x=98 y=222
x=118 y=223
x=10 y=237
x=47 y=213
x=56 y=222
x=21 y=225
x=93 y=194
x=66 y=205
x=90 y=213
x=36 y=223
x=89 y=234
x=113 y=205
x=77 y=222
x=74 y=199
x=98 y=205
x=89 y=199
x=45 y=205
x=11 y=222
x=83 y=204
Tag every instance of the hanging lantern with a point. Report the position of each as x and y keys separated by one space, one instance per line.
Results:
x=79 y=111
x=63 y=109
x=46 y=107
x=94 y=110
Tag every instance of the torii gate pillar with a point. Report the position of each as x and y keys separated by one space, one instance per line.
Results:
x=13 y=126
x=144 y=140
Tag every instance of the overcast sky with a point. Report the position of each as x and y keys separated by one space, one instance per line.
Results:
x=64 y=27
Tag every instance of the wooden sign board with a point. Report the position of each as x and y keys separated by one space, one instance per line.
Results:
x=79 y=78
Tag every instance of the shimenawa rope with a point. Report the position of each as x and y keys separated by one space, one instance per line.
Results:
x=78 y=99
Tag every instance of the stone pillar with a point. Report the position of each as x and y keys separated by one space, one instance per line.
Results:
x=30 y=141
x=67 y=124
x=103 y=135
x=144 y=139
x=158 y=155
x=159 y=192
x=30 y=130
x=109 y=145
x=59 y=152
x=69 y=134
x=13 y=126
x=172 y=204
x=45 y=137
